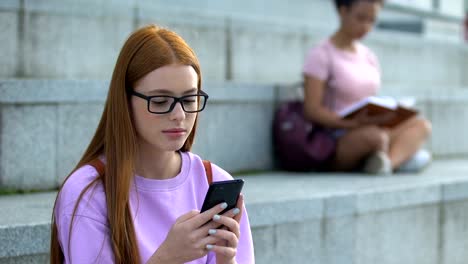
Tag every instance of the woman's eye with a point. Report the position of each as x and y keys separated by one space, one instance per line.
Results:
x=188 y=101
x=159 y=101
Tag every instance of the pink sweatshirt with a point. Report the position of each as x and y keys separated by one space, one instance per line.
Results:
x=351 y=76
x=155 y=205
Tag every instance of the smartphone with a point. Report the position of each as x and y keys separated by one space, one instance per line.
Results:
x=223 y=191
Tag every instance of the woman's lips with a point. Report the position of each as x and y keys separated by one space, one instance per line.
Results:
x=175 y=132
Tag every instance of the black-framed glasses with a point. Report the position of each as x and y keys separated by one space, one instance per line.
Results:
x=163 y=104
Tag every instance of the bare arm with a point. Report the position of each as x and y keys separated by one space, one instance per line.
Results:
x=314 y=110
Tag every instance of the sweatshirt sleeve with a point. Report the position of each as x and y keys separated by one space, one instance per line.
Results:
x=89 y=240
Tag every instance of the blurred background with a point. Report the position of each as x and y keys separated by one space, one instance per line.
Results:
x=57 y=56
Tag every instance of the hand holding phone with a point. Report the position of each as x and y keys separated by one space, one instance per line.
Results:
x=223 y=191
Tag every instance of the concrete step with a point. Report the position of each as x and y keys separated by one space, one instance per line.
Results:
x=312 y=218
x=235 y=41
x=58 y=118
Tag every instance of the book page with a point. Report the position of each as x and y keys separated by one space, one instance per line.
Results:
x=387 y=102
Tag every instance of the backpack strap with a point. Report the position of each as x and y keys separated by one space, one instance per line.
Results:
x=100 y=168
x=208 y=171
x=98 y=165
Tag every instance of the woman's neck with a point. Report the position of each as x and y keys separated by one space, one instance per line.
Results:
x=161 y=165
x=343 y=41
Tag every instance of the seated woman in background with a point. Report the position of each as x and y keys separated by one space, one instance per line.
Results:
x=341 y=71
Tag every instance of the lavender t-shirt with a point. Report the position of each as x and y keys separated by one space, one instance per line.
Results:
x=155 y=205
x=350 y=76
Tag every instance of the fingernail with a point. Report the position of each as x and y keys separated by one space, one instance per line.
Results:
x=216 y=217
x=212 y=231
x=236 y=211
x=209 y=247
x=223 y=205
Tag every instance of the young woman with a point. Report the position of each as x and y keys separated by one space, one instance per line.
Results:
x=341 y=71
x=135 y=195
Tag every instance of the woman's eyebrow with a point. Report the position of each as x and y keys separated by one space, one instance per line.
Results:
x=169 y=92
x=191 y=91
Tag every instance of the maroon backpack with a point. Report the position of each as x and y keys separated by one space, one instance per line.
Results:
x=300 y=145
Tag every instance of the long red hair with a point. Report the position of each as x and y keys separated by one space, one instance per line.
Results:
x=145 y=50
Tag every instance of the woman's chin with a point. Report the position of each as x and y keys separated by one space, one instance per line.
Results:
x=174 y=147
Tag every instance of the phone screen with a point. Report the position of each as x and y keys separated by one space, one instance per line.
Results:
x=223 y=191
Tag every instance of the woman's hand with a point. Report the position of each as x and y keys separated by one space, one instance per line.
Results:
x=189 y=238
x=363 y=118
x=228 y=235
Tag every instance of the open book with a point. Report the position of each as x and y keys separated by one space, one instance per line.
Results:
x=380 y=106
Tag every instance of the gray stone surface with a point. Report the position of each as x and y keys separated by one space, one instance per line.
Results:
x=74 y=46
x=16 y=91
x=452 y=7
x=455 y=232
x=409 y=235
x=339 y=239
x=427 y=63
x=234 y=117
x=455 y=191
x=465 y=76
x=341 y=204
x=264 y=239
x=9 y=5
x=30 y=259
x=9 y=43
x=396 y=191
x=298 y=12
x=261 y=41
x=24 y=225
x=287 y=211
x=28 y=240
x=266 y=52
x=87 y=8
x=75 y=107
x=237 y=113
x=240 y=92
x=28 y=142
x=26 y=210
x=384 y=198
x=447 y=116
x=443 y=30
x=297 y=228
x=226 y=129
x=299 y=242
x=76 y=126
x=206 y=35
x=24 y=228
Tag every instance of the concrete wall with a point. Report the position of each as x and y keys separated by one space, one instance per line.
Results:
x=452 y=7
x=246 y=41
x=58 y=119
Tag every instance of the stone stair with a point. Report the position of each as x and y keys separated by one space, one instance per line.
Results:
x=56 y=56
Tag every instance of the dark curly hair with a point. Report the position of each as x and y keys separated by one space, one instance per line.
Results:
x=349 y=3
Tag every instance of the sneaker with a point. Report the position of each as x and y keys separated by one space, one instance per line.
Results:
x=378 y=163
x=420 y=160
